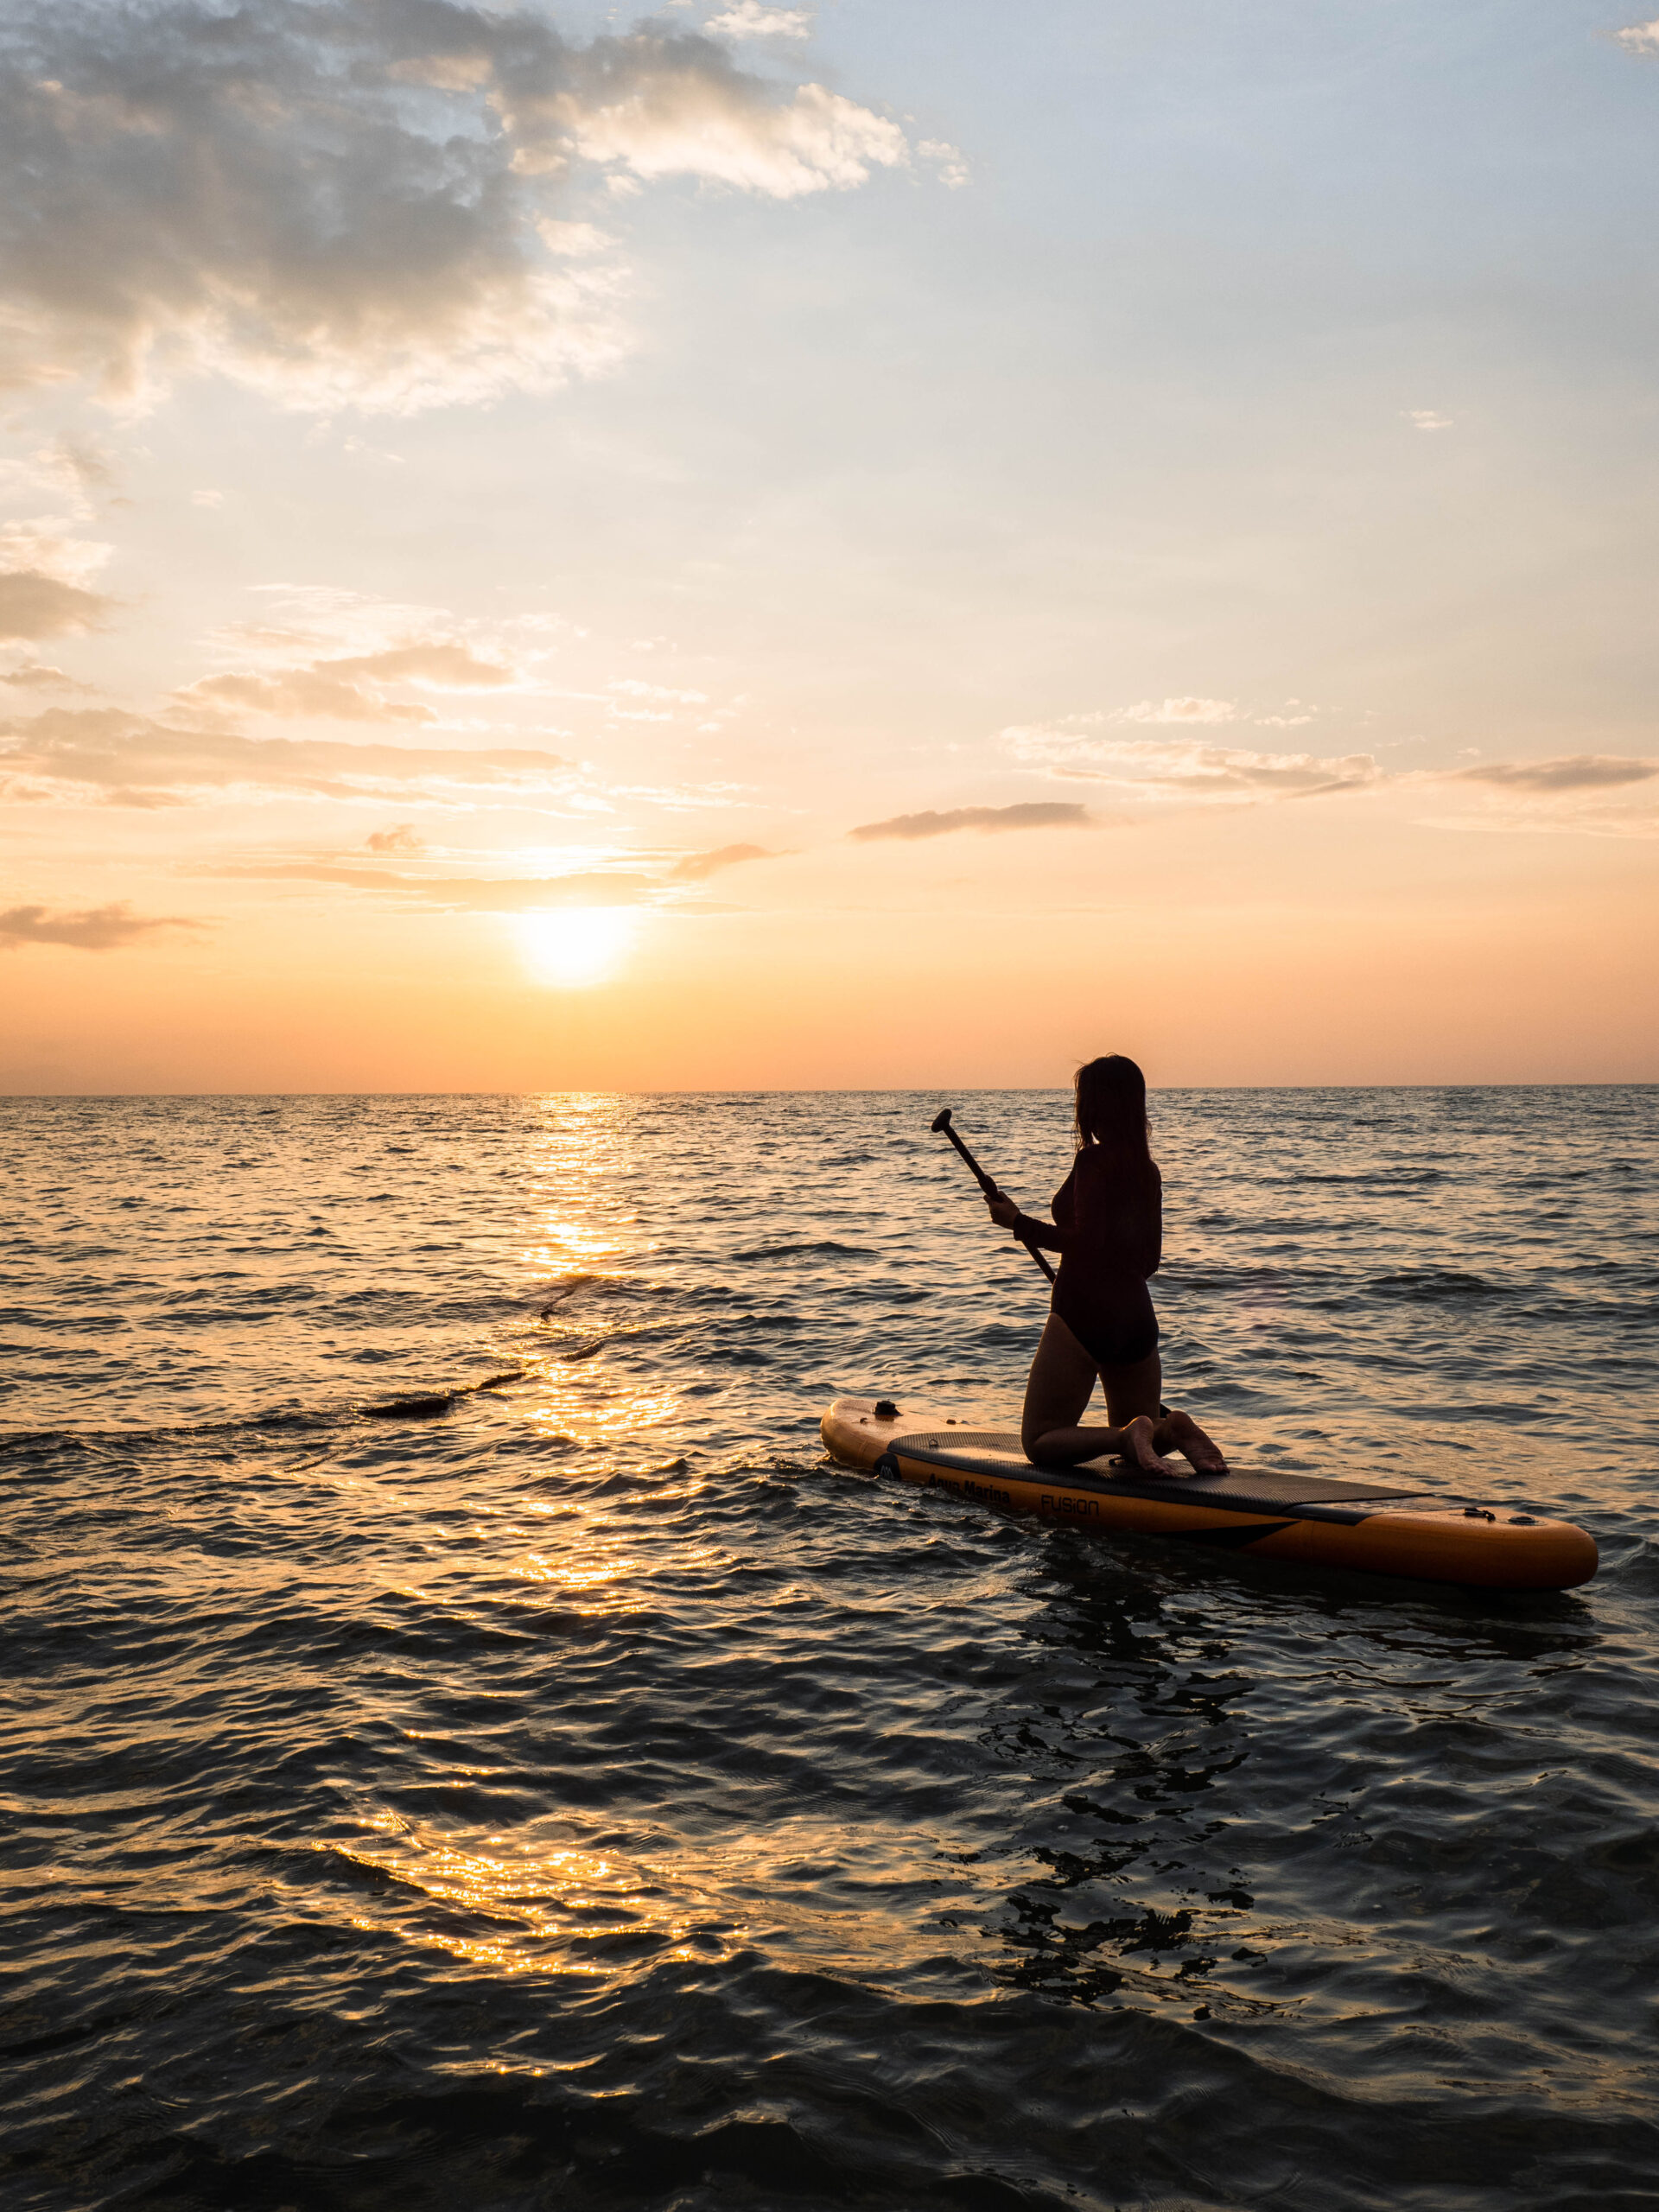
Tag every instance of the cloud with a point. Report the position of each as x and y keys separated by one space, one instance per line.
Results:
x=1542 y=793
x=634 y=688
x=1175 y=767
x=1425 y=418
x=947 y=160
x=45 y=569
x=353 y=688
x=1579 y=794
x=622 y=885
x=46 y=546
x=99 y=929
x=299 y=693
x=358 y=204
x=442 y=666
x=1040 y=814
x=37 y=675
x=1640 y=38
x=748 y=19
x=578 y=239
x=102 y=756
x=1578 y=772
x=698 y=120
x=34 y=605
x=1098 y=748
x=653 y=702
x=1180 y=710
x=68 y=472
x=300 y=621
x=468 y=894
x=696 y=867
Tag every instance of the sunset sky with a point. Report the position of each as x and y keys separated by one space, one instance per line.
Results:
x=903 y=542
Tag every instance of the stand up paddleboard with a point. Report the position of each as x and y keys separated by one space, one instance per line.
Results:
x=1377 y=1528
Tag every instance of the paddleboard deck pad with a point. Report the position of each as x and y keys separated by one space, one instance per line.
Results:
x=1389 y=1527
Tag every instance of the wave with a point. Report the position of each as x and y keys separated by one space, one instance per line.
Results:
x=423 y=1405
x=1435 y=1283
x=300 y=1420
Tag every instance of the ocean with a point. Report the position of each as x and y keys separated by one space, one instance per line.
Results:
x=465 y=1747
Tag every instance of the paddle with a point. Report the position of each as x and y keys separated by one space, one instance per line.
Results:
x=942 y=1127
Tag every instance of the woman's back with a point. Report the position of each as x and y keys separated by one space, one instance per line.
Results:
x=1109 y=1214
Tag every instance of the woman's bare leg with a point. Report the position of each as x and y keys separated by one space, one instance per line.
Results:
x=1062 y=1378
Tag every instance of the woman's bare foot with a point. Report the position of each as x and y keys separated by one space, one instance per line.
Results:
x=1181 y=1433
x=1137 y=1448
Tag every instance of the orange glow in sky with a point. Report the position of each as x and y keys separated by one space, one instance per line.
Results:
x=827 y=556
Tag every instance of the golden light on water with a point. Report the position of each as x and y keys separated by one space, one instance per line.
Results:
x=513 y=1904
x=572 y=948
x=583 y=1245
x=510 y=1907
x=581 y=1216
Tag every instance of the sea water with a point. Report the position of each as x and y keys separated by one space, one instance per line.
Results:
x=465 y=1747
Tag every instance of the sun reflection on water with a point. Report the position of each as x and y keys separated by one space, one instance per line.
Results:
x=523 y=1906
x=582 y=1247
x=579 y=1168
x=508 y=1901
x=534 y=1909
x=580 y=1404
x=589 y=1572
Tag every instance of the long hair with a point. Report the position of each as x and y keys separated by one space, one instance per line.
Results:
x=1112 y=1111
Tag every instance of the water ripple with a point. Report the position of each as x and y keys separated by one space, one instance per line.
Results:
x=464 y=1745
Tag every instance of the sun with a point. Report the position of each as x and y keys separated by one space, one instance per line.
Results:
x=574 y=947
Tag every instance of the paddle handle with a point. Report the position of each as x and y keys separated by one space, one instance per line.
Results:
x=992 y=1191
x=974 y=1167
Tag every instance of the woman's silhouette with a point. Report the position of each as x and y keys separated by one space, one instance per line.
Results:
x=1107 y=1229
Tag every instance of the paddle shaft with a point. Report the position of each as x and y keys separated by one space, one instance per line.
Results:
x=989 y=1188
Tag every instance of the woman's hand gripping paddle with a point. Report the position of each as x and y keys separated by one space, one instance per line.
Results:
x=941 y=1126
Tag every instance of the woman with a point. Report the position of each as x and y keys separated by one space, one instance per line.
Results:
x=1107 y=1229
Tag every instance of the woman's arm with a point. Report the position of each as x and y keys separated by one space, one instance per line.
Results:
x=1006 y=1215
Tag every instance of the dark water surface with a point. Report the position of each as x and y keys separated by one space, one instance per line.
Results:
x=576 y=1793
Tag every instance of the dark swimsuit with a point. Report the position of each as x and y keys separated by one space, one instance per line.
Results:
x=1108 y=1232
